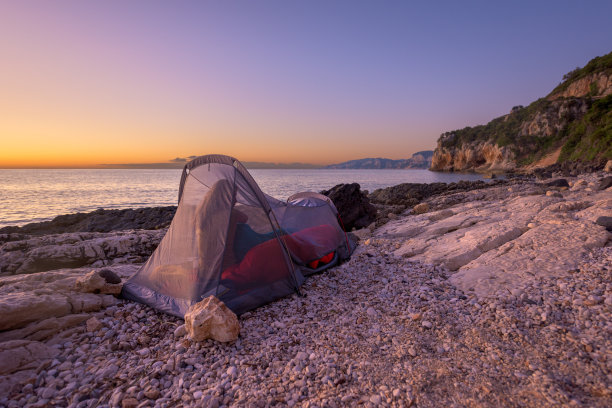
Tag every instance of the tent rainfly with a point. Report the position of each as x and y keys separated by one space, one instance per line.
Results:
x=231 y=240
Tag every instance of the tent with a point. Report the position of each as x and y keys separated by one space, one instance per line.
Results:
x=231 y=240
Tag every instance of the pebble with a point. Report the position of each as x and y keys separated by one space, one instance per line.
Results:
x=180 y=331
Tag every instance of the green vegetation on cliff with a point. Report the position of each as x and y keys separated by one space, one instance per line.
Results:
x=582 y=126
x=595 y=66
x=590 y=137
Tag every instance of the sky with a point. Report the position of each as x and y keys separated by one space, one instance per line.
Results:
x=86 y=83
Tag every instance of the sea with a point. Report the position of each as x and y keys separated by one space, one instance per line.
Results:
x=33 y=195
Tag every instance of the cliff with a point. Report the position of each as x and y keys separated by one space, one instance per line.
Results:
x=572 y=123
x=419 y=160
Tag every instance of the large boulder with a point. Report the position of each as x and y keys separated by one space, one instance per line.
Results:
x=353 y=205
x=211 y=319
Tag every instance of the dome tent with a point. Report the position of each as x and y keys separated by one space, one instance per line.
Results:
x=231 y=240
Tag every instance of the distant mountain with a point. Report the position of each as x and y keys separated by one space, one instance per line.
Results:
x=419 y=160
x=263 y=165
x=179 y=164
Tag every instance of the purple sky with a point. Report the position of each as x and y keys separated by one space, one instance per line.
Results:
x=311 y=81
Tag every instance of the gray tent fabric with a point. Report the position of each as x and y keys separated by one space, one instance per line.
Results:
x=231 y=240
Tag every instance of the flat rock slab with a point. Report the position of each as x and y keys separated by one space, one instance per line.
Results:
x=35 y=297
x=22 y=355
x=502 y=237
x=75 y=250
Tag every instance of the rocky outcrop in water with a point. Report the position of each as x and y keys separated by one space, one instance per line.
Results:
x=353 y=205
x=410 y=194
x=99 y=221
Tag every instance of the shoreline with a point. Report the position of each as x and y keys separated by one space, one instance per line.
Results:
x=495 y=296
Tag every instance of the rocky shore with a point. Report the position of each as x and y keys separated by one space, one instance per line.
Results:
x=497 y=295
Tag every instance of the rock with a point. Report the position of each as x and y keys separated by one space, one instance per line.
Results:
x=301 y=356
x=551 y=193
x=557 y=183
x=211 y=318
x=129 y=403
x=180 y=331
x=353 y=205
x=93 y=325
x=410 y=194
x=152 y=393
x=44 y=329
x=96 y=282
x=47 y=392
x=440 y=215
x=427 y=324
x=100 y=221
x=110 y=276
x=109 y=372
x=604 y=221
x=421 y=208
x=17 y=355
x=73 y=250
x=605 y=183
x=608 y=166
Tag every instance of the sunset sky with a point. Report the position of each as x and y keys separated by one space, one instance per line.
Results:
x=85 y=83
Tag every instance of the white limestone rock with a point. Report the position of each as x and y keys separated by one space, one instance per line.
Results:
x=211 y=319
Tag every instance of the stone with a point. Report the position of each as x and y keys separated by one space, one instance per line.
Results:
x=605 y=183
x=152 y=393
x=94 y=282
x=110 y=276
x=93 y=324
x=47 y=392
x=211 y=318
x=129 y=403
x=44 y=329
x=180 y=331
x=557 y=183
x=17 y=355
x=608 y=166
x=301 y=356
x=353 y=205
x=427 y=324
x=551 y=193
x=109 y=372
x=604 y=221
x=421 y=208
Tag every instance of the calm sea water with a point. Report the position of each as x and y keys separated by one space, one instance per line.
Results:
x=39 y=195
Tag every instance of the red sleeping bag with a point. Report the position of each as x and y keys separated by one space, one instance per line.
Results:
x=265 y=263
